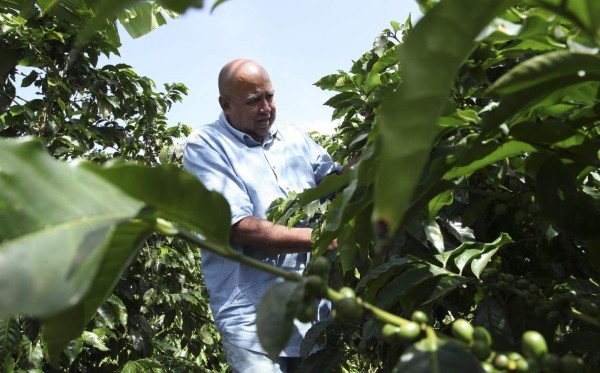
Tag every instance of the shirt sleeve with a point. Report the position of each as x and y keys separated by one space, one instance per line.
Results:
x=321 y=161
x=213 y=169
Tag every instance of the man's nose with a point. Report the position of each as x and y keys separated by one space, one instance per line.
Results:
x=264 y=106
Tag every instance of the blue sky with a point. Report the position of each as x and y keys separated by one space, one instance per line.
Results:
x=298 y=42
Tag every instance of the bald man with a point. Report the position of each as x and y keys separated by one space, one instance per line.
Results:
x=252 y=160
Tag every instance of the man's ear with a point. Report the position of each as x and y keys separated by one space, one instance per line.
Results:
x=224 y=103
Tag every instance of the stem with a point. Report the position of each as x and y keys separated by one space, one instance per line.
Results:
x=229 y=253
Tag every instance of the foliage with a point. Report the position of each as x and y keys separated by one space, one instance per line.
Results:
x=475 y=202
x=498 y=224
x=158 y=314
x=78 y=108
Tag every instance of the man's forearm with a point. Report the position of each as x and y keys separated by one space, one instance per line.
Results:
x=272 y=238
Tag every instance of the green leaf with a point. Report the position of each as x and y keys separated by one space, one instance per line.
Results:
x=64 y=326
x=484 y=154
x=52 y=242
x=475 y=254
x=180 y=6
x=542 y=132
x=545 y=68
x=119 y=309
x=479 y=263
x=310 y=340
x=537 y=78
x=141 y=19
x=378 y=277
x=405 y=282
x=94 y=340
x=174 y=195
x=29 y=79
x=409 y=116
x=341 y=82
x=142 y=366
x=216 y=4
x=585 y=13
x=275 y=316
x=330 y=184
x=355 y=197
x=69 y=10
x=446 y=285
x=10 y=336
x=432 y=355
x=389 y=58
x=560 y=200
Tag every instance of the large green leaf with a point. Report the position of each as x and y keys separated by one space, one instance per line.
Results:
x=62 y=327
x=409 y=117
x=275 y=315
x=175 y=195
x=62 y=251
x=56 y=221
x=432 y=355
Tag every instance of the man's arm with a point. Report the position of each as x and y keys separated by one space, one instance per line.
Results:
x=271 y=238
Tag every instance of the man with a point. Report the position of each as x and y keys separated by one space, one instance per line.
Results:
x=252 y=161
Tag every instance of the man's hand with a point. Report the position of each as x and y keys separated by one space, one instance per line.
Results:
x=333 y=245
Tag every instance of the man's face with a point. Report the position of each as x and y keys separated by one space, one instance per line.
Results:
x=250 y=103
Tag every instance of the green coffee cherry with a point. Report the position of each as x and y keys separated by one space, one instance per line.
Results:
x=487 y=367
x=501 y=361
x=307 y=311
x=481 y=349
x=347 y=308
x=481 y=334
x=419 y=317
x=315 y=286
x=410 y=331
x=319 y=267
x=482 y=343
x=395 y=334
x=462 y=330
x=523 y=366
x=391 y=334
x=533 y=344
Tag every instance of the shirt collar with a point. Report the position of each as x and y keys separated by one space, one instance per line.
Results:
x=244 y=137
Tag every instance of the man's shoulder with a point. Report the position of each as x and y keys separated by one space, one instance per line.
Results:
x=290 y=129
x=211 y=131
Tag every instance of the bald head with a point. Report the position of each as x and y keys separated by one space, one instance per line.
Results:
x=246 y=96
x=236 y=71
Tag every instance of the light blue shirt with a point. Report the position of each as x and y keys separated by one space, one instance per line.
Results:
x=251 y=175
